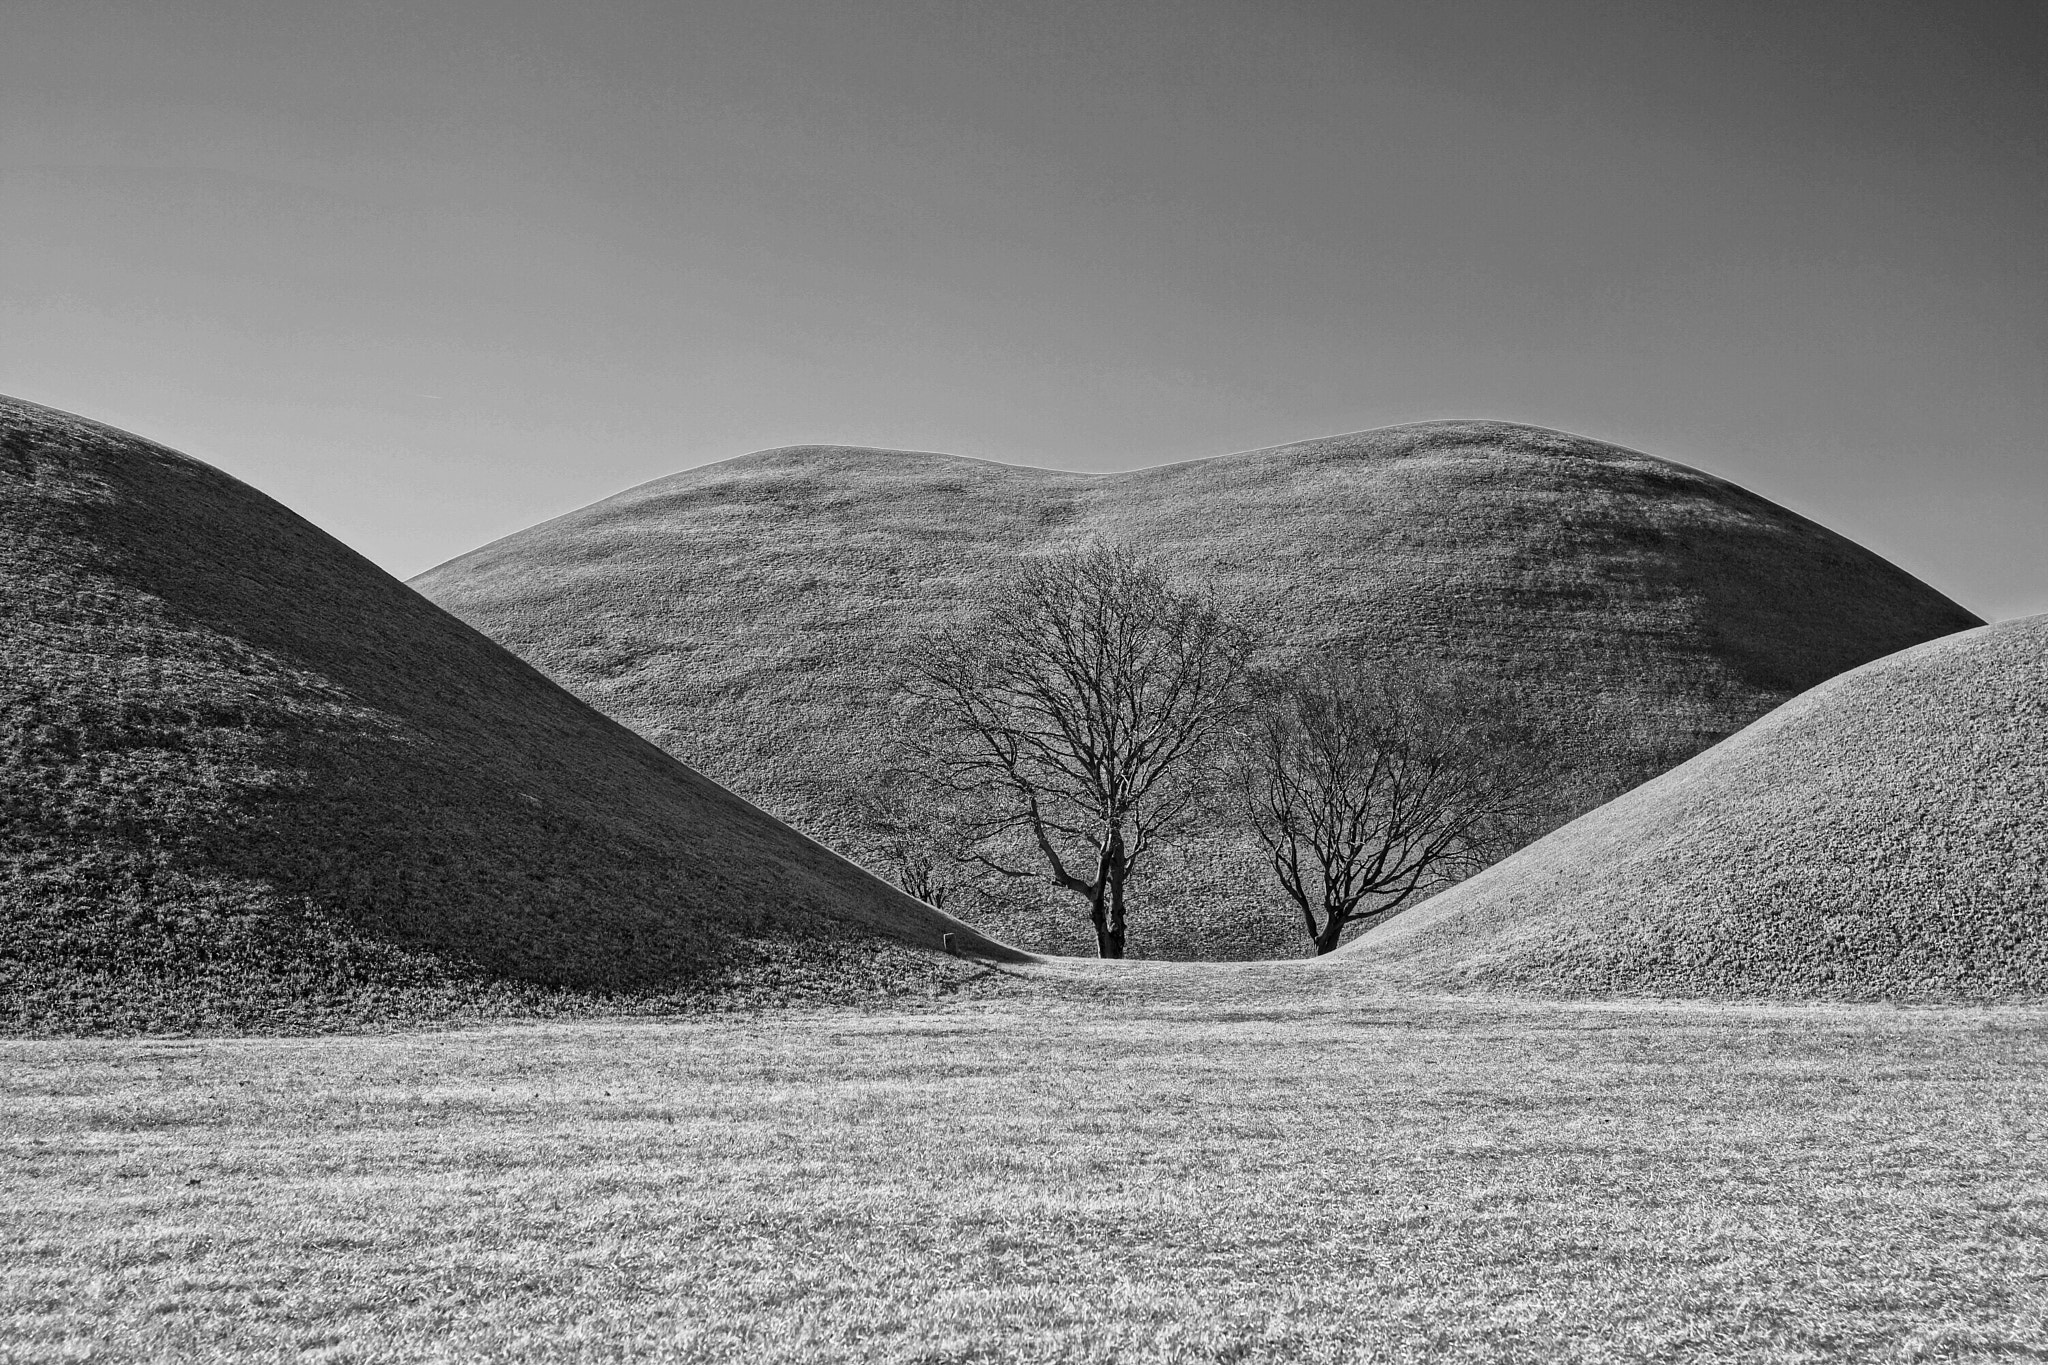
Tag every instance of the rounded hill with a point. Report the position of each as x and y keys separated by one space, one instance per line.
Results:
x=249 y=780
x=747 y=615
x=1883 y=836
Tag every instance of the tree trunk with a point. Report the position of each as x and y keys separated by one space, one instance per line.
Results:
x=1097 y=912
x=1332 y=931
x=1101 y=919
x=1114 y=945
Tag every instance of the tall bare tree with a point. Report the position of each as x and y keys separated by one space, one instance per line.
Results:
x=1079 y=716
x=1368 y=789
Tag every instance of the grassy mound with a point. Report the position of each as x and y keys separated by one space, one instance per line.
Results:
x=1882 y=836
x=745 y=615
x=249 y=780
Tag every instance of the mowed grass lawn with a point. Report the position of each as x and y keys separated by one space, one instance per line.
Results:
x=1180 y=1166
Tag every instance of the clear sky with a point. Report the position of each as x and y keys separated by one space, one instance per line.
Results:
x=430 y=272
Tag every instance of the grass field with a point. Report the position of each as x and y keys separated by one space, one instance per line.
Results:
x=1139 y=1163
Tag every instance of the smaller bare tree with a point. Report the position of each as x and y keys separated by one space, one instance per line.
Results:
x=905 y=830
x=1075 y=720
x=1368 y=789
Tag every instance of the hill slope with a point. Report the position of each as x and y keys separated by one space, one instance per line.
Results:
x=745 y=615
x=1884 y=835
x=246 y=777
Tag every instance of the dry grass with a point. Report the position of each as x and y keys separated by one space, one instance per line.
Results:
x=744 y=615
x=1185 y=1165
x=1884 y=836
x=248 y=779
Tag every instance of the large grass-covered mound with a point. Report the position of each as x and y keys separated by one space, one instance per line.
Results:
x=746 y=615
x=247 y=779
x=1885 y=835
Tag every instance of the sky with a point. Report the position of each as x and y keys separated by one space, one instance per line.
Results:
x=432 y=272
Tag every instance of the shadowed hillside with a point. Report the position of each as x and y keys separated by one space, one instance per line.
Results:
x=247 y=779
x=1884 y=835
x=745 y=615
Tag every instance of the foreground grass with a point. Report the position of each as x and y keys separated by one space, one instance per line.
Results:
x=1170 y=1170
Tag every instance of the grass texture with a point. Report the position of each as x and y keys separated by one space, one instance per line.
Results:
x=745 y=615
x=248 y=780
x=1193 y=1166
x=1884 y=835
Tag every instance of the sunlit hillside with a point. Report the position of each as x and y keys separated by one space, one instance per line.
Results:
x=747 y=616
x=1883 y=836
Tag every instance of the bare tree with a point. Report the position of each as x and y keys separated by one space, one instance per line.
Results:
x=904 y=830
x=1077 y=717
x=1367 y=789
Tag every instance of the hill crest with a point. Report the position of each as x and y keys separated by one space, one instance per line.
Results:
x=744 y=614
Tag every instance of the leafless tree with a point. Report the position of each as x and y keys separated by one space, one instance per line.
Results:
x=1077 y=718
x=904 y=829
x=1367 y=788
